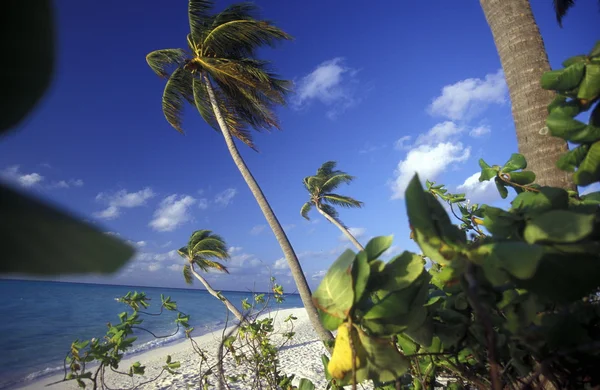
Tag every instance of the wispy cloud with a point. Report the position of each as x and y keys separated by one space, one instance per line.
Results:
x=480 y=131
x=172 y=212
x=14 y=174
x=224 y=198
x=67 y=183
x=357 y=232
x=369 y=148
x=256 y=230
x=478 y=192
x=122 y=199
x=332 y=83
x=469 y=97
x=202 y=203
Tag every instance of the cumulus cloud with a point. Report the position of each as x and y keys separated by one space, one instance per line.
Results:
x=122 y=199
x=357 y=232
x=172 y=212
x=224 y=198
x=478 y=192
x=280 y=263
x=256 y=230
x=14 y=174
x=332 y=83
x=468 y=97
x=480 y=131
x=428 y=161
x=154 y=267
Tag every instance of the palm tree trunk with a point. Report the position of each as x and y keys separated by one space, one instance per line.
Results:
x=342 y=228
x=220 y=297
x=524 y=60
x=284 y=243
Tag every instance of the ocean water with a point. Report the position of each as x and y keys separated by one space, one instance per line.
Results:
x=39 y=321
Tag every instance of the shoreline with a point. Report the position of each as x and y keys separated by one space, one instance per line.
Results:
x=300 y=356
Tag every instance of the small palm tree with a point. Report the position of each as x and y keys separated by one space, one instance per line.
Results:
x=234 y=92
x=320 y=188
x=202 y=248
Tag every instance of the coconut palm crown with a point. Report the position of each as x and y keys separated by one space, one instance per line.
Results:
x=321 y=187
x=202 y=247
x=221 y=51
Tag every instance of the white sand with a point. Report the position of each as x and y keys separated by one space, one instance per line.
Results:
x=300 y=356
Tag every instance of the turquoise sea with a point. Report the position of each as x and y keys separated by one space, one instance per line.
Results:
x=39 y=320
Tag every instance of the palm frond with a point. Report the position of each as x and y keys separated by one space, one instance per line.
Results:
x=241 y=37
x=236 y=11
x=160 y=61
x=313 y=184
x=196 y=237
x=327 y=168
x=306 y=207
x=200 y=18
x=177 y=90
x=183 y=252
x=561 y=7
x=187 y=274
x=342 y=201
x=207 y=265
x=334 y=181
x=203 y=243
x=332 y=212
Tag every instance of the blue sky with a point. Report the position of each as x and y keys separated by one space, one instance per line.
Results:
x=385 y=90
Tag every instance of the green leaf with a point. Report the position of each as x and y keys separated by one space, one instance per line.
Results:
x=377 y=246
x=68 y=246
x=573 y=158
x=384 y=362
x=515 y=162
x=589 y=169
x=305 y=384
x=401 y=272
x=563 y=126
x=591 y=198
x=500 y=222
x=590 y=86
x=596 y=50
x=519 y=259
x=557 y=101
x=502 y=190
x=559 y=226
x=567 y=109
x=360 y=275
x=25 y=82
x=537 y=202
x=564 y=79
x=522 y=178
x=334 y=295
x=487 y=174
x=574 y=60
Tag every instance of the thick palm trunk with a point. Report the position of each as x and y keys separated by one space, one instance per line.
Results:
x=342 y=228
x=286 y=247
x=524 y=60
x=220 y=297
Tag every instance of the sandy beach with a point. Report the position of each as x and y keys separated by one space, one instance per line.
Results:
x=300 y=356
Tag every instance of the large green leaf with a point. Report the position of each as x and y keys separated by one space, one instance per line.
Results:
x=433 y=230
x=537 y=202
x=400 y=273
x=595 y=52
x=335 y=294
x=564 y=79
x=384 y=363
x=564 y=126
x=559 y=226
x=377 y=246
x=522 y=178
x=501 y=187
x=589 y=169
x=590 y=86
x=39 y=240
x=517 y=258
x=574 y=60
x=28 y=39
x=515 y=162
x=500 y=222
x=571 y=108
x=571 y=160
x=360 y=275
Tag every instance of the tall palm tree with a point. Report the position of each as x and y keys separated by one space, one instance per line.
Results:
x=320 y=187
x=202 y=248
x=524 y=60
x=234 y=92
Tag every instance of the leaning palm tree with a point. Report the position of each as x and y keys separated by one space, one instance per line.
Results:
x=320 y=187
x=202 y=248
x=234 y=92
x=524 y=60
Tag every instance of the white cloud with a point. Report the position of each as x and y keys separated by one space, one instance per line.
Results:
x=441 y=132
x=357 y=232
x=480 y=131
x=392 y=251
x=467 y=97
x=14 y=174
x=319 y=274
x=67 y=184
x=401 y=144
x=172 y=212
x=166 y=244
x=234 y=249
x=280 y=264
x=479 y=192
x=256 y=230
x=175 y=267
x=225 y=197
x=158 y=257
x=203 y=203
x=428 y=161
x=288 y=227
x=331 y=83
x=122 y=199
x=154 y=267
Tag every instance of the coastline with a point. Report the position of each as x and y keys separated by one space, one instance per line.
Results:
x=300 y=356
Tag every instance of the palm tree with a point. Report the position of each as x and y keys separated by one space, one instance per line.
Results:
x=524 y=60
x=234 y=92
x=320 y=188
x=202 y=247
